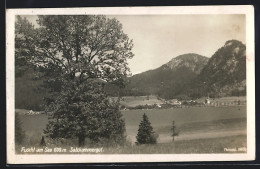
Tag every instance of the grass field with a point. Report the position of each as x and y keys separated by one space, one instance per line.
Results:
x=209 y=127
x=189 y=120
x=197 y=146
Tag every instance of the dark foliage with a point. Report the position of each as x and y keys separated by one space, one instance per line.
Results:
x=87 y=114
x=42 y=143
x=72 y=54
x=29 y=91
x=19 y=132
x=145 y=134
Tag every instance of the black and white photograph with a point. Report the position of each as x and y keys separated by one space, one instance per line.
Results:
x=140 y=84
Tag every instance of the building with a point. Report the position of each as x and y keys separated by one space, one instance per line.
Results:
x=207 y=101
x=174 y=102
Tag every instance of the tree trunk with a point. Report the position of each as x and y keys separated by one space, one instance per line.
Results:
x=81 y=140
x=42 y=143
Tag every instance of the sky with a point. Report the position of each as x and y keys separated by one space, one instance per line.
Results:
x=159 y=38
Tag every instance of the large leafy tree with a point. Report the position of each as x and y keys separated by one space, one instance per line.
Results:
x=74 y=54
x=85 y=111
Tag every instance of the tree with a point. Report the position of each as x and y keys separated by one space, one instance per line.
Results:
x=42 y=143
x=175 y=131
x=145 y=134
x=74 y=55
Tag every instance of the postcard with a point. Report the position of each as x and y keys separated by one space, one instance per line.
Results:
x=130 y=84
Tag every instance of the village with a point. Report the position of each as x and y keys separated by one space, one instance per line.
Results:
x=153 y=102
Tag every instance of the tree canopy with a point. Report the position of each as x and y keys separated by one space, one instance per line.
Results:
x=74 y=54
x=83 y=46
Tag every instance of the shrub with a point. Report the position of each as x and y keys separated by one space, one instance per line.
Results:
x=19 y=132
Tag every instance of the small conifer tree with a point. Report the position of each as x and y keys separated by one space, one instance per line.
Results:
x=145 y=134
x=175 y=131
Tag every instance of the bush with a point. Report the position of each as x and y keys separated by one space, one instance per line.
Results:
x=19 y=132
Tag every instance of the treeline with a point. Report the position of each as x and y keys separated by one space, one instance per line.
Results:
x=186 y=91
x=29 y=93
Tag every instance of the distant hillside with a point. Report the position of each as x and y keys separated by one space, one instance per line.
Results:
x=166 y=80
x=224 y=75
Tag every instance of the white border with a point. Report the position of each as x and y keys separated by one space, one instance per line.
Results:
x=248 y=10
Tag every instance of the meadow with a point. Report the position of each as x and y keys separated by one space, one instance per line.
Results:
x=202 y=129
x=196 y=146
x=193 y=122
x=132 y=101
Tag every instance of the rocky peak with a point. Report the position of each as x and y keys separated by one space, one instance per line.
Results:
x=191 y=61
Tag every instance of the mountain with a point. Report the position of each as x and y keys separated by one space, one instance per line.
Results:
x=192 y=75
x=167 y=79
x=224 y=74
x=191 y=61
x=188 y=75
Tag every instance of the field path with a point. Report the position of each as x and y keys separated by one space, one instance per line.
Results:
x=164 y=138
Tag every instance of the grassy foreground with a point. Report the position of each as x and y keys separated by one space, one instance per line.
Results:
x=203 y=130
x=197 y=146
